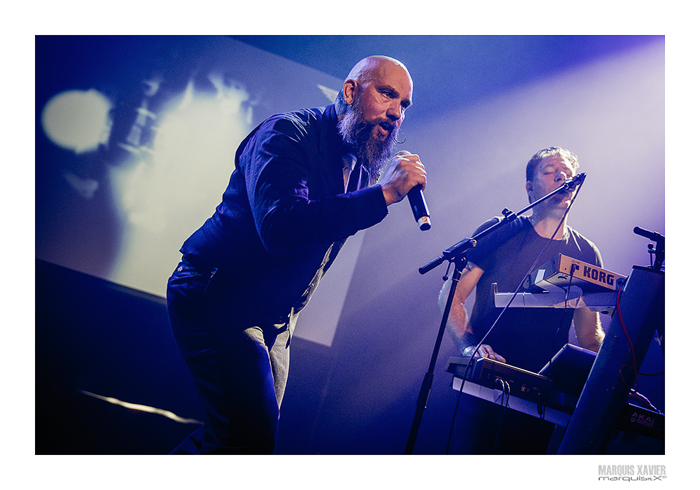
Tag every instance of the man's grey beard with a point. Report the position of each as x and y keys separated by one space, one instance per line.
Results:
x=372 y=153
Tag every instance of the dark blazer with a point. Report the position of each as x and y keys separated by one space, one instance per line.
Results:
x=284 y=215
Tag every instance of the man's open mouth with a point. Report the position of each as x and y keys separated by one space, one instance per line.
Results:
x=387 y=126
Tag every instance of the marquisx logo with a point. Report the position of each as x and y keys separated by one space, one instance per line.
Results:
x=631 y=472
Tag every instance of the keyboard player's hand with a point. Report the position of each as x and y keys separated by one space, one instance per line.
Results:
x=484 y=351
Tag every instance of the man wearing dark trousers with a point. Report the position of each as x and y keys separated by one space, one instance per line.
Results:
x=304 y=182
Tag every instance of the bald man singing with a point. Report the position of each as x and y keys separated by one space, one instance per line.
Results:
x=304 y=182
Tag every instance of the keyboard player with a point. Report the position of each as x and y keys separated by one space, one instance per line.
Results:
x=523 y=337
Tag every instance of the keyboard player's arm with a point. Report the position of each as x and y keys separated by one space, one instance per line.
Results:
x=458 y=319
x=589 y=331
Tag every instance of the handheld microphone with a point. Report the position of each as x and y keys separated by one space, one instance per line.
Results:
x=419 y=208
x=418 y=204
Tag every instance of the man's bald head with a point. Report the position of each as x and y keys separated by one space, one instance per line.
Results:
x=370 y=69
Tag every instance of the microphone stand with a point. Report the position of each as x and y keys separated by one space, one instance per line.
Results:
x=457 y=255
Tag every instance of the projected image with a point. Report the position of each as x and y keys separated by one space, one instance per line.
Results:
x=135 y=144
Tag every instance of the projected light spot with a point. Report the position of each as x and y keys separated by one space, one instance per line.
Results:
x=77 y=120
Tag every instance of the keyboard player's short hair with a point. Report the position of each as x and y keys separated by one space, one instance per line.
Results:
x=548 y=152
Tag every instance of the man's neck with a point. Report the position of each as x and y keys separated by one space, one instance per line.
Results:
x=545 y=226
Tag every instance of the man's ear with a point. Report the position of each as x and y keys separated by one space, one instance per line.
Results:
x=350 y=89
x=528 y=189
